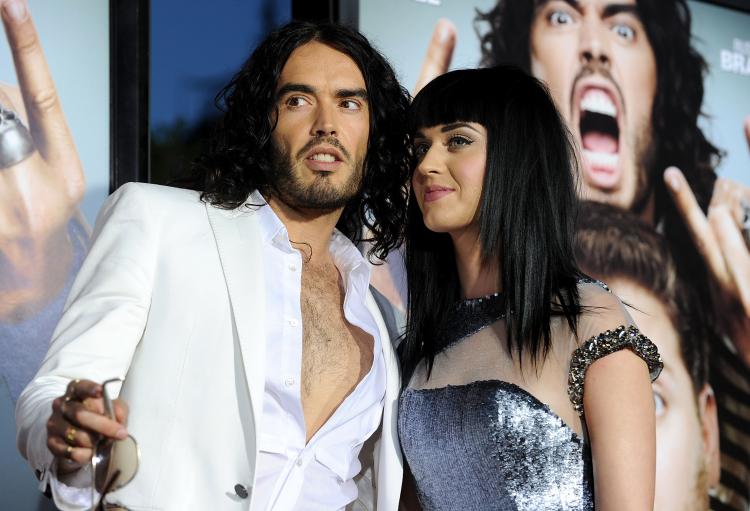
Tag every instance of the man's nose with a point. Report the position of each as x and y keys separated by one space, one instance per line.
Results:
x=324 y=124
x=594 y=42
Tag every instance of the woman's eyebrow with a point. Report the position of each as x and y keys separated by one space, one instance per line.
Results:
x=456 y=125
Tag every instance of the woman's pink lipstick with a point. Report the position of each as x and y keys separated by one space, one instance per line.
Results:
x=433 y=193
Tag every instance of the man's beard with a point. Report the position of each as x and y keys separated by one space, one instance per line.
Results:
x=697 y=494
x=321 y=194
x=644 y=161
x=645 y=158
x=700 y=489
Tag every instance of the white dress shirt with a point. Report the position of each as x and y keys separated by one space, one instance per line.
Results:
x=292 y=474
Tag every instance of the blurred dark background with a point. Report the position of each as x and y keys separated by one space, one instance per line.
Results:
x=196 y=47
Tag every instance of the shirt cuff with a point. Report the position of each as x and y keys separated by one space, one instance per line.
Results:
x=71 y=492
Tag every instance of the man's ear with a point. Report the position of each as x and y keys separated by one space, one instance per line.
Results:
x=710 y=434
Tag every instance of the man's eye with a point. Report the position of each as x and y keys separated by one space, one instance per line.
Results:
x=624 y=31
x=296 y=101
x=659 y=404
x=560 y=18
x=350 y=104
x=459 y=141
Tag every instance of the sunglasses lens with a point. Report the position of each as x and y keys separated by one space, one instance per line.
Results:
x=116 y=463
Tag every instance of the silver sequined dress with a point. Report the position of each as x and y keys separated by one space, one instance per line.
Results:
x=476 y=442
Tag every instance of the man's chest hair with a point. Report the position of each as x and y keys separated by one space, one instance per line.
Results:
x=330 y=344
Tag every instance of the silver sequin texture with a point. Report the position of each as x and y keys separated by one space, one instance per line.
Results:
x=542 y=459
x=604 y=344
x=490 y=445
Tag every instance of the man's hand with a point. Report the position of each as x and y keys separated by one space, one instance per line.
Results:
x=718 y=238
x=78 y=419
x=439 y=53
x=40 y=194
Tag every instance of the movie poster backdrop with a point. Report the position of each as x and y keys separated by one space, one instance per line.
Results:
x=414 y=35
x=37 y=265
x=52 y=184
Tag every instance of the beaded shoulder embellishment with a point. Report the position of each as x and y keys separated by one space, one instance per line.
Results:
x=586 y=280
x=604 y=344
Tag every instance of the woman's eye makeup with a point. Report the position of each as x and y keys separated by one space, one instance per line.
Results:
x=420 y=149
x=456 y=141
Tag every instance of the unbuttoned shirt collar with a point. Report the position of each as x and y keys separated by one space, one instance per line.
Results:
x=350 y=262
x=292 y=474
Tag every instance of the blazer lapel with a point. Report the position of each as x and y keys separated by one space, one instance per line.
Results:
x=238 y=241
x=389 y=464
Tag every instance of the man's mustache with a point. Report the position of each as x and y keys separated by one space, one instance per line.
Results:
x=332 y=141
x=595 y=67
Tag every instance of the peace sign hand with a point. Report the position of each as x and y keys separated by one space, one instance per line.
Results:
x=40 y=193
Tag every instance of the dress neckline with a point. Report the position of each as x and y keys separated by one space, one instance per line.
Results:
x=481 y=301
x=468 y=317
x=511 y=388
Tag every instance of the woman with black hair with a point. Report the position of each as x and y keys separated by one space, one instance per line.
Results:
x=525 y=382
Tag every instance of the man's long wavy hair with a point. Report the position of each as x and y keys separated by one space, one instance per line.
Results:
x=240 y=156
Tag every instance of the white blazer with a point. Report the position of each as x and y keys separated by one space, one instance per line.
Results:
x=170 y=297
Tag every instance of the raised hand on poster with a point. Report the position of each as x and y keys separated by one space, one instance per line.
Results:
x=41 y=177
x=439 y=53
x=437 y=62
x=720 y=238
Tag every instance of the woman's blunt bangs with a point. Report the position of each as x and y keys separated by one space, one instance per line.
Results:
x=457 y=96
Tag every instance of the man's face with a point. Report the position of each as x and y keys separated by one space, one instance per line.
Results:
x=322 y=129
x=687 y=459
x=596 y=58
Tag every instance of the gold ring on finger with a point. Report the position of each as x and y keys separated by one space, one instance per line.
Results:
x=69 y=452
x=70 y=435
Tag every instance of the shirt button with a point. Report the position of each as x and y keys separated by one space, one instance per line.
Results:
x=241 y=491
x=289 y=382
x=293 y=322
x=292 y=267
x=299 y=462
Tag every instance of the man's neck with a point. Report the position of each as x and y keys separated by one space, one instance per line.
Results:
x=309 y=230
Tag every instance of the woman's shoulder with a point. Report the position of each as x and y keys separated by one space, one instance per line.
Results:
x=605 y=328
x=601 y=309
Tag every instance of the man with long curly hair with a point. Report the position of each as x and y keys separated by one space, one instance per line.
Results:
x=626 y=77
x=256 y=363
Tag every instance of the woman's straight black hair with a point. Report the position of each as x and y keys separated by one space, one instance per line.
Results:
x=526 y=215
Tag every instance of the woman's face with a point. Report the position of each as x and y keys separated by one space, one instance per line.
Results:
x=447 y=182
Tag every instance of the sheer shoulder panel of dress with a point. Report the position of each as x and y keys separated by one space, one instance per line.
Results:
x=604 y=328
x=473 y=347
